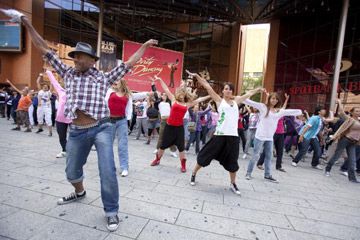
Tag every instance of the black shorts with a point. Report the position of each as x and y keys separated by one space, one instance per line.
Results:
x=225 y=149
x=173 y=135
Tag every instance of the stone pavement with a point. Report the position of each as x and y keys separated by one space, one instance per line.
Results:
x=159 y=203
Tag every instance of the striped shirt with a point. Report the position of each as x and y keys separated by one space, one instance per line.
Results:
x=86 y=91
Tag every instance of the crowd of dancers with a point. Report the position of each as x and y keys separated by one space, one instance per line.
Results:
x=98 y=108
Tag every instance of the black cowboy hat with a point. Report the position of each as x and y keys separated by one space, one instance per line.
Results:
x=86 y=48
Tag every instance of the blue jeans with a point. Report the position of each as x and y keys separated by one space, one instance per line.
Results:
x=350 y=147
x=258 y=147
x=194 y=137
x=186 y=130
x=77 y=150
x=121 y=132
x=303 y=147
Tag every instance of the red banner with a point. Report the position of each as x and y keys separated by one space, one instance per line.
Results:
x=167 y=64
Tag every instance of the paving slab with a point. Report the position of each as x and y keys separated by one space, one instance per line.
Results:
x=325 y=229
x=94 y=217
x=163 y=231
x=159 y=203
x=225 y=226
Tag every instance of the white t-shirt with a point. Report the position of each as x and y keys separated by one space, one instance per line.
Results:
x=44 y=98
x=228 y=119
x=164 y=109
x=267 y=125
x=141 y=109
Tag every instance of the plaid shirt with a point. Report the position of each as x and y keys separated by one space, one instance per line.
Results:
x=86 y=91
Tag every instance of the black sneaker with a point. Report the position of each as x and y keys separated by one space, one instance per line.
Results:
x=281 y=169
x=235 y=189
x=39 y=130
x=271 y=179
x=112 y=223
x=16 y=129
x=192 y=181
x=28 y=130
x=71 y=198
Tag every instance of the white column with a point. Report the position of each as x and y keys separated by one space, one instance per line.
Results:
x=100 y=30
x=340 y=45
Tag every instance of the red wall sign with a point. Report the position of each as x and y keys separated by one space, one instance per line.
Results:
x=167 y=64
x=323 y=89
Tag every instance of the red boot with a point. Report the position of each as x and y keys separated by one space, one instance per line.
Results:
x=156 y=161
x=183 y=165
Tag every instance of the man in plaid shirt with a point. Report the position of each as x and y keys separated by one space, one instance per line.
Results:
x=85 y=91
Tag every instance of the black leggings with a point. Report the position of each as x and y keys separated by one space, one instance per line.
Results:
x=151 y=130
x=241 y=133
x=61 y=129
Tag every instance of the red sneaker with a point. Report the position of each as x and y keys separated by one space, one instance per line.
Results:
x=156 y=161
x=183 y=165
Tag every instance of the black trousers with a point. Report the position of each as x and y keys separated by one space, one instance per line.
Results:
x=241 y=133
x=279 y=148
x=8 y=111
x=61 y=129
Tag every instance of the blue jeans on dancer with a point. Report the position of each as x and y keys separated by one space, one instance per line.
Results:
x=78 y=148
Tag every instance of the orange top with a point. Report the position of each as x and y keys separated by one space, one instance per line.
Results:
x=24 y=103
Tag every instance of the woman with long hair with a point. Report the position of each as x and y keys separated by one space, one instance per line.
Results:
x=270 y=113
x=119 y=98
x=174 y=129
x=62 y=122
x=348 y=136
x=164 y=110
x=224 y=145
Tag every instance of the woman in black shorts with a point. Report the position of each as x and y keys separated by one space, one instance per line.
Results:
x=224 y=145
x=174 y=130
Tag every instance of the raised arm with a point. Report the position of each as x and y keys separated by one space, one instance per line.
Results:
x=206 y=85
x=166 y=89
x=198 y=100
x=13 y=86
x=286 y=101
x=140 y=52
x=54 y=82
x=341 y=109
x=38 y=85
x=259 y=106
x=17 y=16
x=290 y=112
x=240 y=99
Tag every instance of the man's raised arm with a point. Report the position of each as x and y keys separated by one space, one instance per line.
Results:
x=19 y=17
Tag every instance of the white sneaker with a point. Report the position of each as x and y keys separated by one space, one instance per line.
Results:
x=244 y=156
x=294 y=164
x=235 y=189
x=155 y=151
x=247 y=176
x=173 y=154
x=318 y=167
x=344 y=173
x=61 y=155
x=327 y=174
x=124 y=173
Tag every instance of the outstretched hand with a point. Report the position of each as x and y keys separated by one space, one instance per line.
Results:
x=287 y=96
x=190 y=73
x=13 y=14
x=151 y=43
